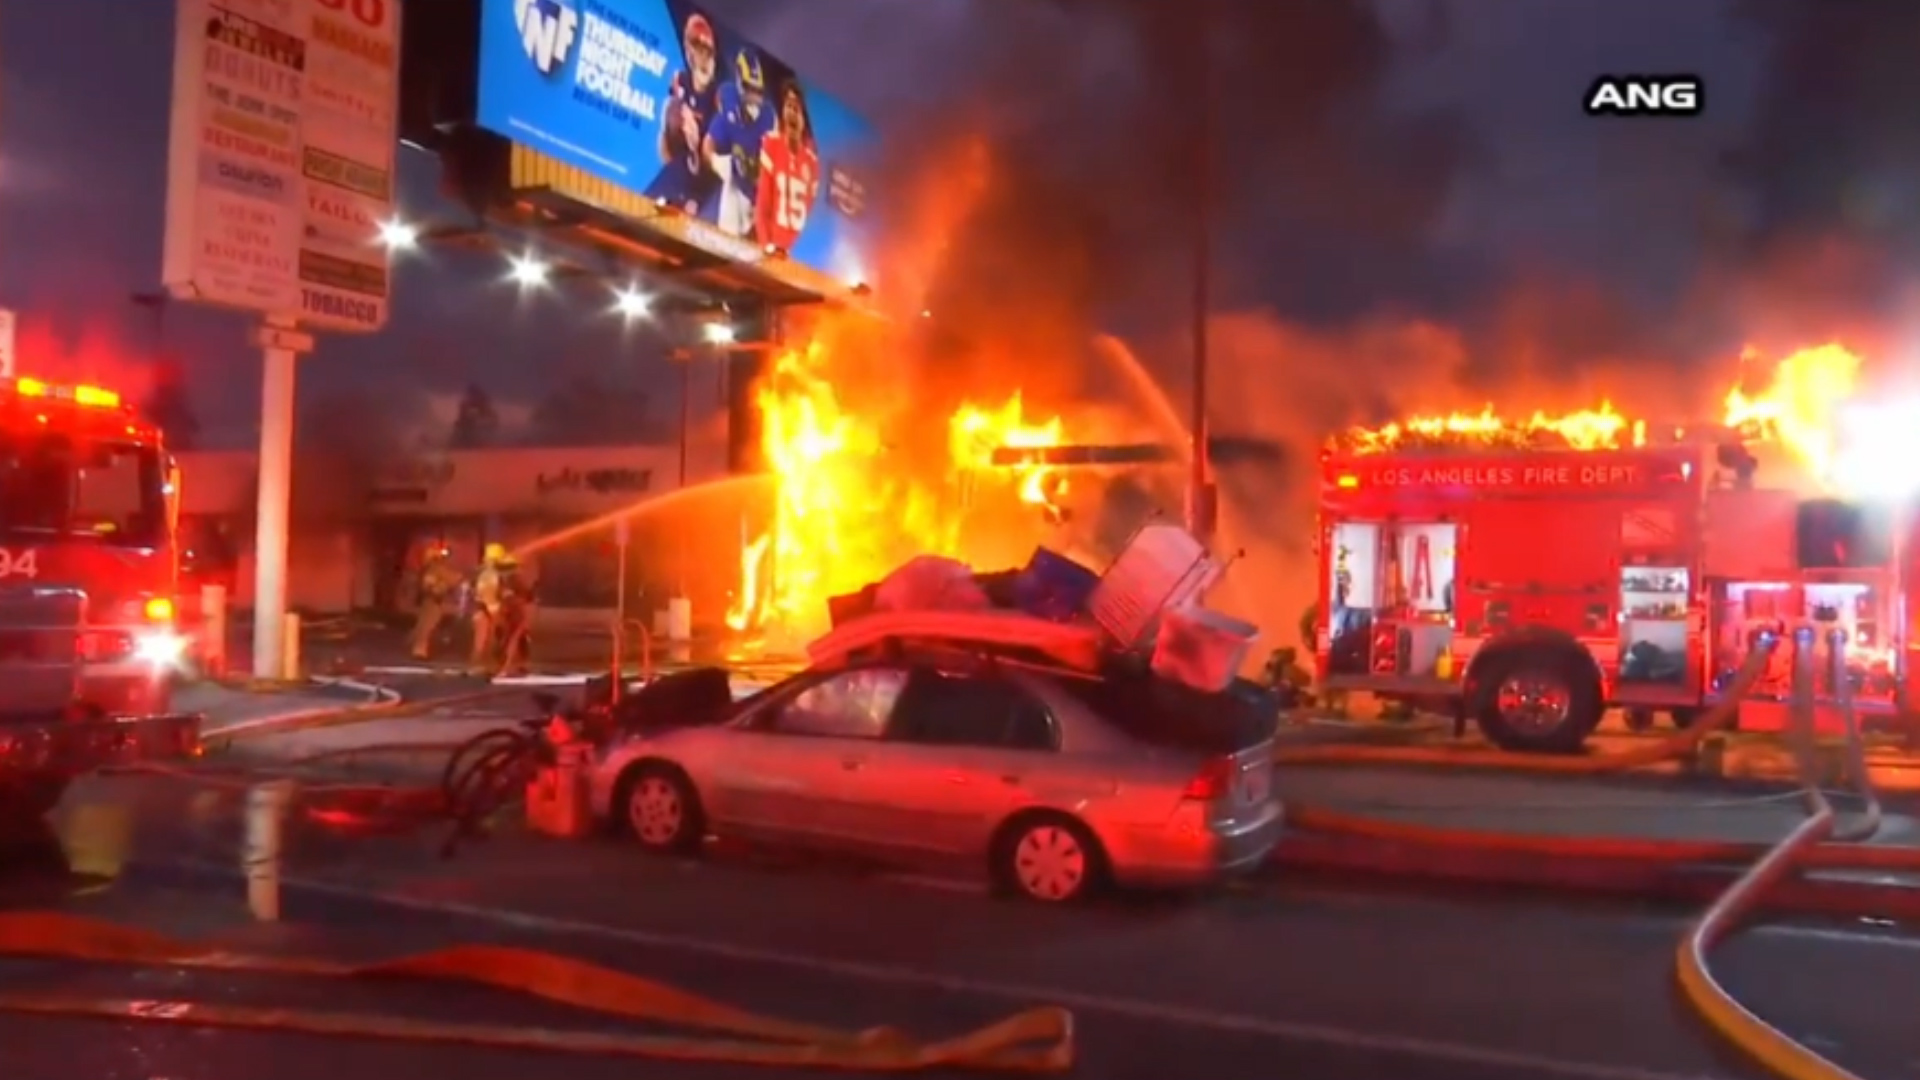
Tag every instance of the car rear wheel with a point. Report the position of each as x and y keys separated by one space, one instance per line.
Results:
x=1048 y=858
x=662 y=810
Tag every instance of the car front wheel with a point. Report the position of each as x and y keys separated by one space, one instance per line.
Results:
x=662 y=810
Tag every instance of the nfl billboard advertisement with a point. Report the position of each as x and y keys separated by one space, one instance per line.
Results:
x=658 y=97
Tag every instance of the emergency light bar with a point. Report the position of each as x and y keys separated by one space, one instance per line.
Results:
x=91 y=396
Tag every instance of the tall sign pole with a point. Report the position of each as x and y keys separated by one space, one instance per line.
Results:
x=280 y=173
x=1202 y=509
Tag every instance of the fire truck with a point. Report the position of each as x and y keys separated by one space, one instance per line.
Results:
x=1529 y=586
x=88 y=646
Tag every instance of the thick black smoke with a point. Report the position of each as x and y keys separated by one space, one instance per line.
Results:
x=1093 y=111
x=1828 y=181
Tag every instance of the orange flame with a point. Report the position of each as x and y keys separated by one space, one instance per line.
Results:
x=1794 y=403
x=1798 y=405
x=847 y=510
x=1587 y=429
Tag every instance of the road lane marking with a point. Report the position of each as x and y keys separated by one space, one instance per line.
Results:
x=1125 y=1008
x=1873 y=934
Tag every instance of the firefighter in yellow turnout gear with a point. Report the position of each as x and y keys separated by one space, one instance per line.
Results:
x=437 y=584
x=487 y=588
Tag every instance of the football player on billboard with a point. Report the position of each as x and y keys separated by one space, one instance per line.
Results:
x=733 y=142
x=687 y=180
x=789 y=174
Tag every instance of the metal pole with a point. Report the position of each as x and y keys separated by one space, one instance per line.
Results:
x=686 y=414
x=686 y=429
x=1200 y=512
x=276 y=488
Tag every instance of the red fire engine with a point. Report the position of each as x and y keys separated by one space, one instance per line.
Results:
x=89 y=507
x=1532 y=587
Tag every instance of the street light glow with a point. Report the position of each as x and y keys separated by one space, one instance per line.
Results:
x=527 y=271
x=718 y=333
x=397 y=235
x=631 y=303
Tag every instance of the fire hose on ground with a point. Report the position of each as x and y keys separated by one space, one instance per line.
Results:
x=1035 y=1041
x=489 y=770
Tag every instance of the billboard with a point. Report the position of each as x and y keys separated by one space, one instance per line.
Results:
x=661 y=99
x=280 y=164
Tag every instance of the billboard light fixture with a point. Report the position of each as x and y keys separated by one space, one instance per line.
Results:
x=528 y=271
x=398 y=235
x=718 y=333
x=631 y=303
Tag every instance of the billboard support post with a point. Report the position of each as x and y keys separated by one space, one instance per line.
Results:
x=280 y=347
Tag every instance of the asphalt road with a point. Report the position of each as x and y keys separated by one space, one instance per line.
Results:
x=1284 y=977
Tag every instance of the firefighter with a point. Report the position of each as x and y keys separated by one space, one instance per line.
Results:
x=515 y=618
x=433 y=602
x=486 y=605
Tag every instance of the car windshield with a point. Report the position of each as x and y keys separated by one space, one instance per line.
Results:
x=54 y=486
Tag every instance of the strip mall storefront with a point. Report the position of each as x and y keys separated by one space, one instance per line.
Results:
x=358 y=529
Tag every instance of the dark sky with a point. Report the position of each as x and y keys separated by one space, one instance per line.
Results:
x=1412 y=159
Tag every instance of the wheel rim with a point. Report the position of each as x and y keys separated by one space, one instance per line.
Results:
x=656 y=810
x=1049 y=863
x=1534 y=703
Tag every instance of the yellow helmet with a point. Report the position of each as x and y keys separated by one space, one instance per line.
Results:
x=495 y=553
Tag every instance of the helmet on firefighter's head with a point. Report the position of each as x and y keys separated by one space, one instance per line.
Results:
x=495 y=554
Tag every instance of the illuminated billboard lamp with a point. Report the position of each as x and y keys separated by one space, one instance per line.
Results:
x=527 y=271
x=631 y=303
x=397 y=235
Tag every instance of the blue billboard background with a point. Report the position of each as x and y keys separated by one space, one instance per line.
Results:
x=623 y=88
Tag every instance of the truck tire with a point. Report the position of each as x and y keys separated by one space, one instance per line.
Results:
x=31 y=796
x=1539 y=701
x=25 y=803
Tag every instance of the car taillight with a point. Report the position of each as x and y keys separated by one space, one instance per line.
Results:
x=1213 y=781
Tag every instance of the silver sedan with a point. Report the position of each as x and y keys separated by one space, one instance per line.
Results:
x=1054 y=781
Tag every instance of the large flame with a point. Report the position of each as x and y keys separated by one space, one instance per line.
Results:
x=848 y=509
x=1795 y=403
x=1587 y=429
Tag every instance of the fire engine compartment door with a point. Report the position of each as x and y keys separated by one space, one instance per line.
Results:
x=1540 y=562
x=40 y=659
x=1390 y=599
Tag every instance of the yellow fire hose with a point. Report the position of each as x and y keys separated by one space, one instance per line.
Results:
x=1815 y=843
x=1760 y=1040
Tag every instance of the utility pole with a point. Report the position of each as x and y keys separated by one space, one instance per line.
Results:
x=1202 y=510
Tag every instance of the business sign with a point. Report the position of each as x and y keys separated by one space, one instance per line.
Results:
x=280 y=163
x=661 y=99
